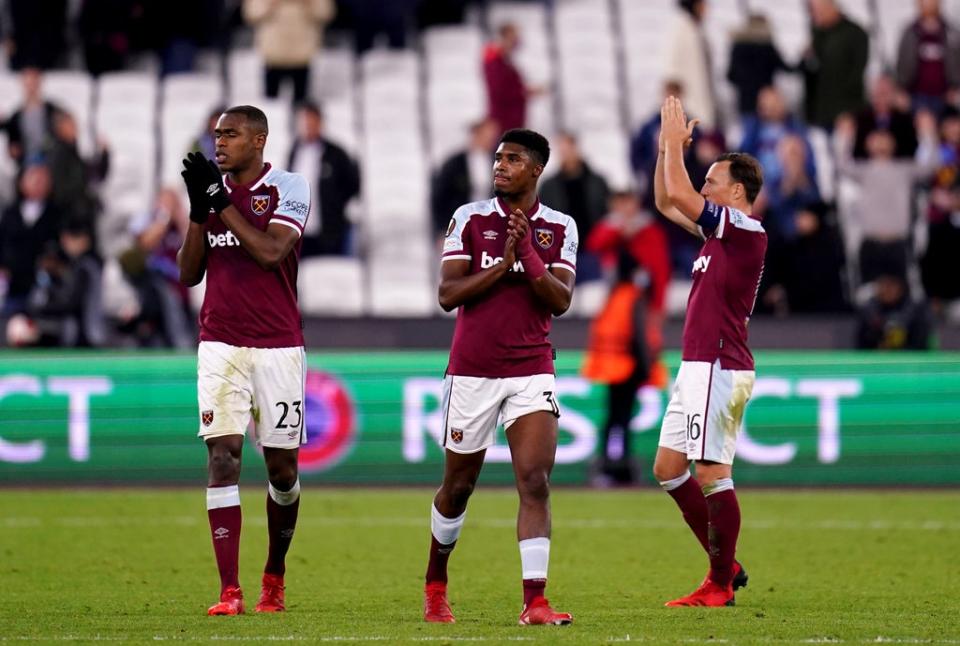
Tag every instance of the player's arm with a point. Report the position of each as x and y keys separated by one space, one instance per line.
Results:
x=458 y=286
x=192 y=257
x=677 y=188
x=663 y=203
x=553 y=287
x=267 y=248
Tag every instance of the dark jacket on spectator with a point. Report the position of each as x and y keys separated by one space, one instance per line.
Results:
x=338 y=183
x=451 y=190
x=21 y=245
x=752 y=67
x=834 y=72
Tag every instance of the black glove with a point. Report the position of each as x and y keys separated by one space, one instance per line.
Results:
x=216 y=192
x=196 y=190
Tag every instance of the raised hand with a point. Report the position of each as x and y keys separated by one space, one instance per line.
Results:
x=674 y=126
x=215 y=189
x=193 y=178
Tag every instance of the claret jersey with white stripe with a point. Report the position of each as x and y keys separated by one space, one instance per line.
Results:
x=504 y=332
x=245 y=305
x=726 y=276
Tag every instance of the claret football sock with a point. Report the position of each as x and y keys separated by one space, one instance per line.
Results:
x=724 y=529
x=223 y=512
x=282 y=510
x=534 y=561
x=693 y=505
x=444 y=534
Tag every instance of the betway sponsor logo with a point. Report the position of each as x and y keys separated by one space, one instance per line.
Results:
x=486 y=261
x=222 y=240
x=701 y=264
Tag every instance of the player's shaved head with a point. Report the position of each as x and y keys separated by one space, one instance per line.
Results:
x=535 y=143
x=255 y=117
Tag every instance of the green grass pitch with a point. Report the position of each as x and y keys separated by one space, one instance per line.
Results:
x=825 y=566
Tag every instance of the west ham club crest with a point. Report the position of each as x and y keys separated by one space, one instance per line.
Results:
x=544 y=238
x=206 y=417
x=259 y=203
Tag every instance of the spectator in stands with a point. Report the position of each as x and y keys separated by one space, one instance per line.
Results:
x=25 y=229
x=883 y=209
x=689 y=62
x=507 y=93
x=107 y=29
x=432 y=13
x=206 y=141
x=30 y=128
x=334 y=178
x=65 y=302
x=763 y=133
x=791 y=186
x=619 y=356
x=374 y=17
x=928 y=59
x=644 y=145
x=466 y=176
x=178 y=29
x=288 y=34
x=628 y=226
x=164 y=317
x=75 y=179
x=37 y=33
x=754 y=60
x=579 y=191
x=803 y=270
x=889 y=109
x=943 y=217
x=833 y=65
x=891 y=319
x=812 y=264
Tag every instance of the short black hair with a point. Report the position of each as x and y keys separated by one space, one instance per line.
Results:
x=534 y=142
x=746 y=170
x=310 y=106
x=254 y=116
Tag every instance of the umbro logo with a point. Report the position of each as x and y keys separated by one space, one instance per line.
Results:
x=220 y=532
x=489 y=234
x=213 y=189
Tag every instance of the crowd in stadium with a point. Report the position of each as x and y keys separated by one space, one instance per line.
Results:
x=862 y=168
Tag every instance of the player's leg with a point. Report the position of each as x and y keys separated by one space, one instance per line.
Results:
x=671 y=467
x=278 y=383
x=224 y=414
x=711 y=440
x=283 y=506
x=530 y=416
x=223 y=512
x=470 y=407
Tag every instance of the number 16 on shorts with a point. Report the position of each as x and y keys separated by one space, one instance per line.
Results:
x=694 y=431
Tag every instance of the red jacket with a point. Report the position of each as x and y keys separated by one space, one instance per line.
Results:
x=648 y=246
x=506 y=91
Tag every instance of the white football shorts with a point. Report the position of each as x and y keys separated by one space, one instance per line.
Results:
x=473 y=407
x=235 y=385
x=705 y=411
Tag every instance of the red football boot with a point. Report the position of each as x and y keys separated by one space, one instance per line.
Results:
x=539 y=613
x=708 y=594
x=436 y=608
x=271 y=594
x=231 y=603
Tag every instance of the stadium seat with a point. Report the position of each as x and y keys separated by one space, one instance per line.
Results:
x=331 y=286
